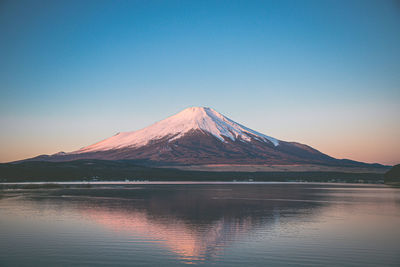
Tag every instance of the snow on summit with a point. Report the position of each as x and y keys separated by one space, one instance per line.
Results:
x=194 y=118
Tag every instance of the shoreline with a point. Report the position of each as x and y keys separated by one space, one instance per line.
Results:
x=178 y=183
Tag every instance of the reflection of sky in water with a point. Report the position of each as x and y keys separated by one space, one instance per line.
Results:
x=228 y=225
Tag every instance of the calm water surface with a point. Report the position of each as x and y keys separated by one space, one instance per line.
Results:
x=223 y=225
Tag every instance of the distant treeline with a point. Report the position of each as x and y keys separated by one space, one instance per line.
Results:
x=98 y=170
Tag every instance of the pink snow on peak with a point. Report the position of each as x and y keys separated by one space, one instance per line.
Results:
x=194 y=118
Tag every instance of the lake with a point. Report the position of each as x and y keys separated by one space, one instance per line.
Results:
x=254 y=224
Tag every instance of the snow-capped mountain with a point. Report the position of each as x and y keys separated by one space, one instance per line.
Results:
x=201 y=119
x=198 y=135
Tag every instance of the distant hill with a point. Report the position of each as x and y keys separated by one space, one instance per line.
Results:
x=393 y=175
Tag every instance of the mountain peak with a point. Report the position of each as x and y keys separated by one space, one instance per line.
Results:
x=203 y=119
x=195 y=112
x=196 y=109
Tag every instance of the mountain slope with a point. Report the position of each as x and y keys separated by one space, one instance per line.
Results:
x=196 y=136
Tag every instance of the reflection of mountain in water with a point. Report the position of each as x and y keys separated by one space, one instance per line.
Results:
x=190 y=243
x=194 y=222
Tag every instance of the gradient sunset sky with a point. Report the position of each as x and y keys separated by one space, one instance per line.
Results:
x=323 y=73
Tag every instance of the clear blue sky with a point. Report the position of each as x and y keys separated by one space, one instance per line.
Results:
x=324 y=73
